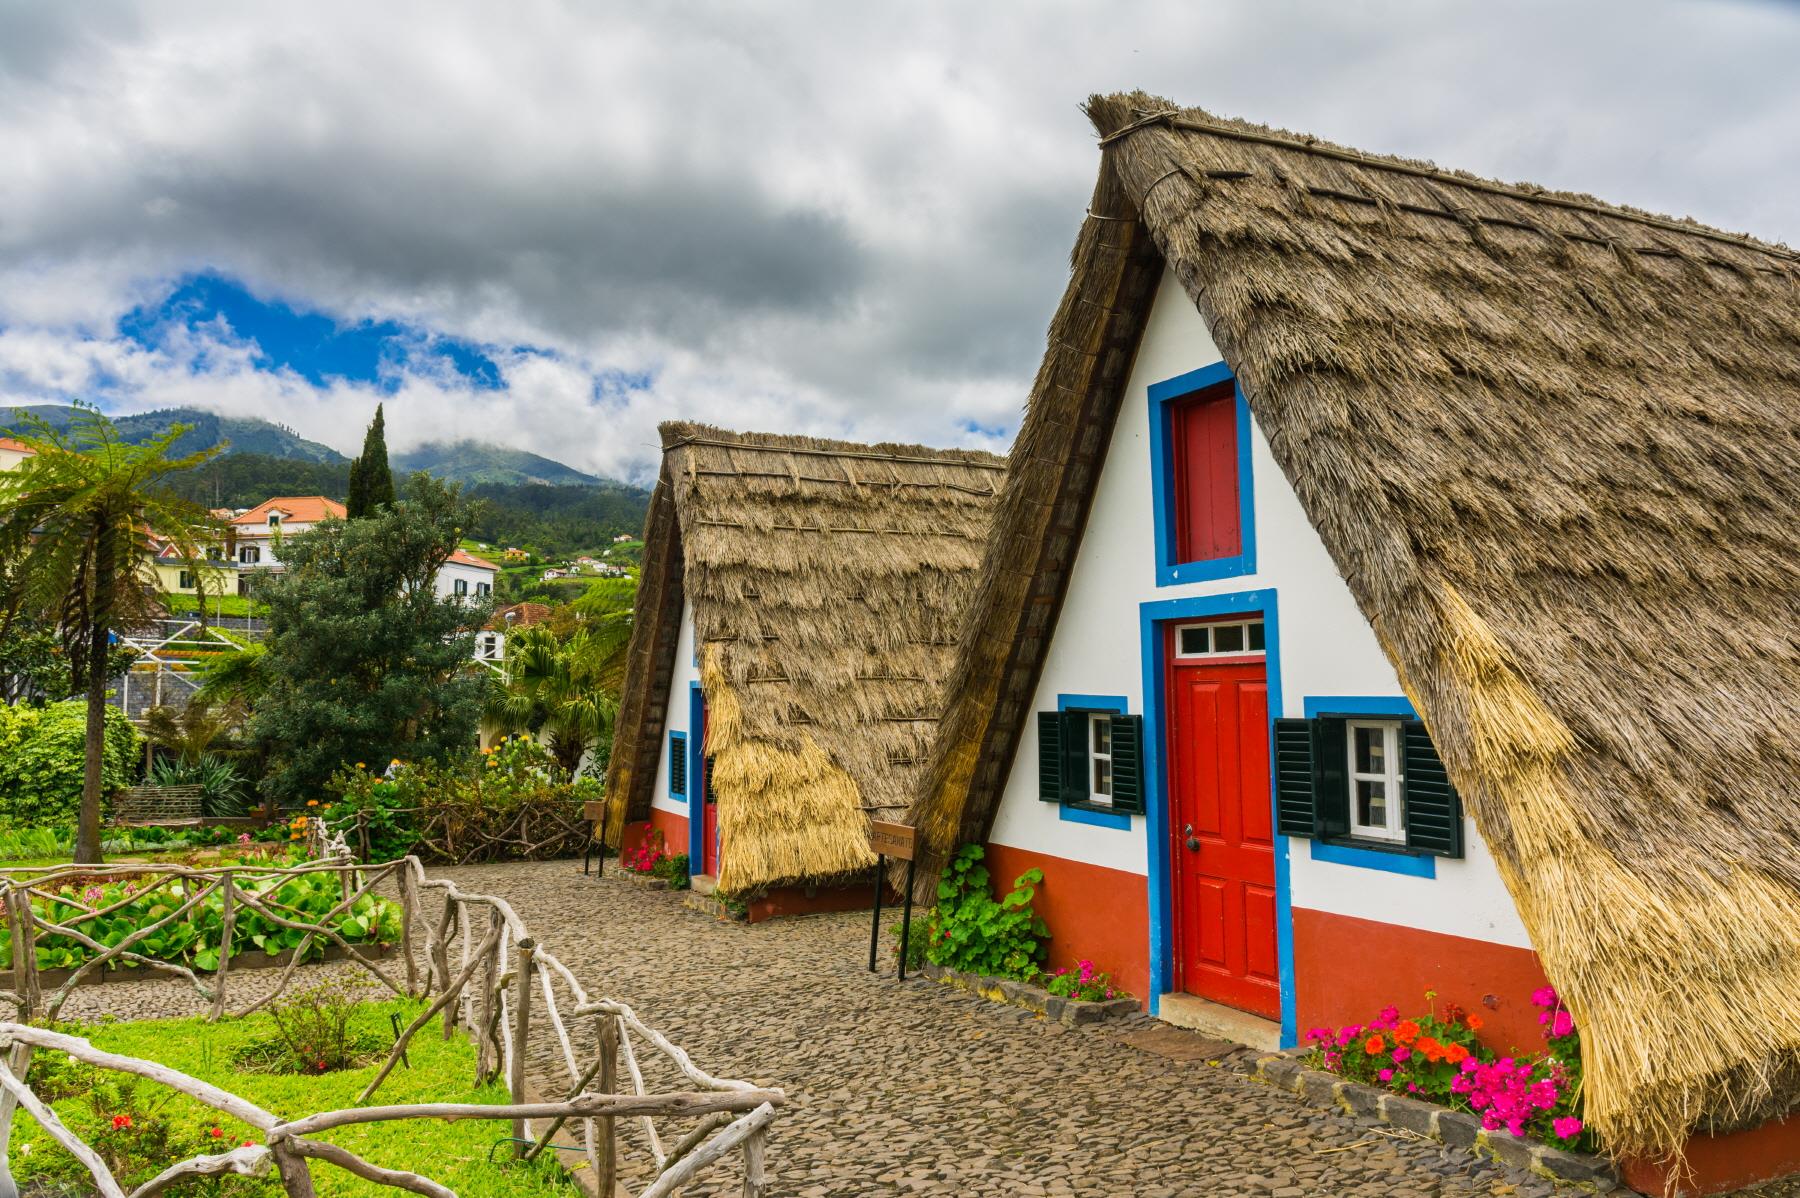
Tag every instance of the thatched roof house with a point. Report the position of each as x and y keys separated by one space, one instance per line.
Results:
x=1550 y=444
x=825 y=582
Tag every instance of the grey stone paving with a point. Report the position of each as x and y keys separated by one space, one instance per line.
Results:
x=916 y=1088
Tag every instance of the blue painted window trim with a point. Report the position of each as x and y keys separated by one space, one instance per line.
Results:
x=1170 y=572
x=696 y=785
x=1391 y=859
x=1082 y=813
x=677 y=744
x=1153 y=617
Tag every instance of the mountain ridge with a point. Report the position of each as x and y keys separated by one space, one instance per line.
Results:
x=470 y=461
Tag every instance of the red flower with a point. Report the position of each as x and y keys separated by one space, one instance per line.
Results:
x=1373 y=1045
x=217 y=1133
x=121 y=1121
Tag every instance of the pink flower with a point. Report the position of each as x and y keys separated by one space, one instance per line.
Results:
x=1544 y=996
x=1563 y=1024
x=1318 y=1033
x=1470 y=1065
x=1386 y=1075
x=1566 y=1128
x=1412 y=1087
x=1402 y=1054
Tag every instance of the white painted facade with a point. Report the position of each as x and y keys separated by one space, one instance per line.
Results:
x=477 y=581
x=1327 y=649
x=675 y=719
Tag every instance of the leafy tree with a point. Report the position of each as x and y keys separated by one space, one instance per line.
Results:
x=371 y=482
x=194 y=731
x=74 y=532
x=34 y=668
x=43 y=760
x=565 y=691
x=362 y=661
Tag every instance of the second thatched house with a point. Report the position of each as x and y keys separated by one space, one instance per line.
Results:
x=796 y=621
x=1396 y=590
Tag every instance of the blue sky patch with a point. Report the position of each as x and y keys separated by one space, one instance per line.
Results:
x=313 y=345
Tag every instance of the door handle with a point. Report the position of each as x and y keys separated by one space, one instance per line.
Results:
x=1193 y=842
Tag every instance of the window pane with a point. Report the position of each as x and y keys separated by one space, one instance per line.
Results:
x=1370 y=756
x=1371 y=803
x=1102 y=779
x=1102 y=734
x=1228 y=638
x=1256 y=637
x=1193 y=640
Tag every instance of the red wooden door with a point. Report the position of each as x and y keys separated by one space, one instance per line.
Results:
x=709 y=812
x=1221 y=826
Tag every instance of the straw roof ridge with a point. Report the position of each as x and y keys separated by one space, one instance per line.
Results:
x=826 y=581
x=1549 y=443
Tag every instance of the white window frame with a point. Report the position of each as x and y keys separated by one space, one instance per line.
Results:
x=1094 y=755
x=483 y=589
x=1393 y=830
x=1182 y=654
x=459 y=586
x=249 y=555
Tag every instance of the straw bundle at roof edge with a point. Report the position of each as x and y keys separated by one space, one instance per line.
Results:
x=1550 y=444
x=826 y=581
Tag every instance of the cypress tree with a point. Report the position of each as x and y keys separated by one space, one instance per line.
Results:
x=371 y=482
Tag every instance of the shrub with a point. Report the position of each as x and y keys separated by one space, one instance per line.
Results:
x=971 y=931
x=673 y=869
x=42 y=752
x=1084 y=983
x=223 y=790
x=313 y=1030
x=1437 y=1056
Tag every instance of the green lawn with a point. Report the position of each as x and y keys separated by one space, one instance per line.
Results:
x=216 y=605
x=454 y=1154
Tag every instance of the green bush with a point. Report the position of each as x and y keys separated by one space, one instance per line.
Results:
x=223 y=790
x=972 y=932
x=42 y=751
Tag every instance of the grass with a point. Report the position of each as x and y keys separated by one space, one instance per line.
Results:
x=216 y=605
x=454 y=1154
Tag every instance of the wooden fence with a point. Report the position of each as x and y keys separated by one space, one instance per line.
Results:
x=487 y=976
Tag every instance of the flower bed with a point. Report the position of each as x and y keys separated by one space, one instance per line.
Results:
x=1071 y=1007
x=1438 y=1057
x=651 y=862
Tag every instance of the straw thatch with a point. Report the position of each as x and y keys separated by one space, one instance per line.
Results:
x=827 y=582
x=1550 y=444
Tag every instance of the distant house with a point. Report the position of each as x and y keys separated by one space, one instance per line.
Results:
x=467 y=577
x=514 y=555
x=178 y=575
x=490 y=642
x=553 y=573
x=256 y=533
x=623 y=537
x=792 y=636
x=13 y=452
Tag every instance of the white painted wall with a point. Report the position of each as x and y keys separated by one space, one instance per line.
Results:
x=1327 y=648
x=451 y=572
x=676 y=718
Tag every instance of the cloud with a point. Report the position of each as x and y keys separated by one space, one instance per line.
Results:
x=841 y=219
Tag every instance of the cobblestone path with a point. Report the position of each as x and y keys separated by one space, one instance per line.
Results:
x=913 y=1088
x=904 y=1088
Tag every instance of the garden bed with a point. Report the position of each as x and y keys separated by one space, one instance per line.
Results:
x=1458 y=1129
x=251 y=959
x=153 y=1127
x=1032 y=998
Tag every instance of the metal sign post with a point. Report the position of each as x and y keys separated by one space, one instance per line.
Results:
x=899 y=841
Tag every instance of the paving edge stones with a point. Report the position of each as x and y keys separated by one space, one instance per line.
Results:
x=1458 y=1129
x=1032 y=998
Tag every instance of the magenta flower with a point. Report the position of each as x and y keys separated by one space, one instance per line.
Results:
x=1402 y=1054
x=1544 y=996
x=1566 y=1128
x=1562 y=1024
x=1386 y=1075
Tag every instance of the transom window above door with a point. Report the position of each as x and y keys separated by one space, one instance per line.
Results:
x=1231 y=638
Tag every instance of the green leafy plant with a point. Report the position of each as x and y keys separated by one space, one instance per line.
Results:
x=314 y=1032
x=1083 y=983
x=916 y=943
x=42 y=753
x=971 y=931
x=222 y=790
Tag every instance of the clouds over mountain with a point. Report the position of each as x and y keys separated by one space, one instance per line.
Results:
x=553 y=225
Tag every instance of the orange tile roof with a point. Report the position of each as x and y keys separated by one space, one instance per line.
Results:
x=464 y=558
x=300 y=509
x=16 y=446
x=519 y=615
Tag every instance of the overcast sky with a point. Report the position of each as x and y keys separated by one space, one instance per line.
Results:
x=554 y=225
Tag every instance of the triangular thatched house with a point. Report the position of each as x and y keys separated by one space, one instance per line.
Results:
x=796 y=620
x=1478 y=502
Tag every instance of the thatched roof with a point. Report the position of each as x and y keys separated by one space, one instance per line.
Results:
x=827 y=581
x=1550 y=444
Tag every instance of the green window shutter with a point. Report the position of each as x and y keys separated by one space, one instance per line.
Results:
x=1074 y=755
x=1127 y=763
x=1296 y=808
x=678 y=767
x=1331 y=784
x=1049 y=756
x=1433 y=808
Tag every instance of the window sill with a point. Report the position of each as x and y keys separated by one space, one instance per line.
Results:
x=1370 y=854
x=1207 y=571
x=1093 y=816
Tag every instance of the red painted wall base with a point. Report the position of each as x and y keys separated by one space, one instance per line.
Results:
x=1347 y=969
x=1719 y=1164
x=1095 y=913
x=795 y=900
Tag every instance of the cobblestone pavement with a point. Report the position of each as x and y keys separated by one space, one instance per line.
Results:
x=902 y=1088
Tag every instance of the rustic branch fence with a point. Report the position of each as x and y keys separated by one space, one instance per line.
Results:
x=486 y=975
x=476 y=833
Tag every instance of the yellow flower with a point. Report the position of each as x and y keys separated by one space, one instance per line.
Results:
x=295 y=836
x=359 y=765
x=395 y=761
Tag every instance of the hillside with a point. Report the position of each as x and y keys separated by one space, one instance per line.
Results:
x=478 y=462
x=244 y=434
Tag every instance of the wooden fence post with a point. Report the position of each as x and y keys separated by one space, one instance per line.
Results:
x=227 y=920
x=609 y=1083
x=755 y=1177
x=22 y=961
x=521 y=1035
x=409 y=902
x=296 y=1174
x=484 y=1012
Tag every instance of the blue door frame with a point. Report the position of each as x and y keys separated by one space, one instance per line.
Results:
x=1153 y=618
x=696 y=773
